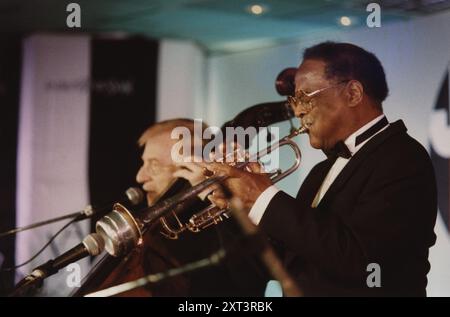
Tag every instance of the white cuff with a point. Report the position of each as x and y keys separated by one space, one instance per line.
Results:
x=260 y=205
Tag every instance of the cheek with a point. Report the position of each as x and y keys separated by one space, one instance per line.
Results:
x=320 y=120
x=327 y=116
x=325 y=121
x=162 y=180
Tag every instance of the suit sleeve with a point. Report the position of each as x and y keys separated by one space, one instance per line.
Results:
x=392 y=219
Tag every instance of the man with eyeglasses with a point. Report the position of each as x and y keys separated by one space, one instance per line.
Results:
x=363 y=220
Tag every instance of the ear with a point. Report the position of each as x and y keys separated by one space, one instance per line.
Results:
x=355 y=92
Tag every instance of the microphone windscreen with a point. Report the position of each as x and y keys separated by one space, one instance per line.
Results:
x=135 y=195
x=94 y=244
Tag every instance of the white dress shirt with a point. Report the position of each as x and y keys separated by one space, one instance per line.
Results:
x=260 y=205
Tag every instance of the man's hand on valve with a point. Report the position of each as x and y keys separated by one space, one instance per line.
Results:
x=195 y=174
x=241 y=184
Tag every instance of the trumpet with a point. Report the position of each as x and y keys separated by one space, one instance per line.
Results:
x=213 y=215
x=122 y=230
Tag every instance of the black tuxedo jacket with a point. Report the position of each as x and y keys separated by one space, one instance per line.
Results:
x=380 y=209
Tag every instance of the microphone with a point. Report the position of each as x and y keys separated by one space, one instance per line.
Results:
x=122 y=230
x=92 y=245
x=133 y=195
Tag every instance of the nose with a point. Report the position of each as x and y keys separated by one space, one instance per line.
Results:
x=141 y=175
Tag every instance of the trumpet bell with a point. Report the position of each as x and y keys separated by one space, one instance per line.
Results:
x=120 y=231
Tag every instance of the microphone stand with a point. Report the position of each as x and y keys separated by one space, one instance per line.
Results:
x=83 y=214
x=214 y=259
x=38 y=275
x=92 y=245
x=134 y=196
x=253 y=240
x=31 y=282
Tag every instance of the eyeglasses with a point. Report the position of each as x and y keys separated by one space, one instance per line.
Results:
x=305 y=99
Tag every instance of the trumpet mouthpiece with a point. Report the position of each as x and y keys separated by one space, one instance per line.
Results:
x=295 y=132
x=302 y=129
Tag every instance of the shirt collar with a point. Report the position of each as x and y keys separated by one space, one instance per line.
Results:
x=350 y=141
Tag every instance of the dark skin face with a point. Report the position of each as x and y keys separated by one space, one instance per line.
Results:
x=328 y=119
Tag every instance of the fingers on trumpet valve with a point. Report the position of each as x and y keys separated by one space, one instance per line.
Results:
x=219 y=198
x=190 y=171
x=254 y=167
x=229 y=153
x=207 y=173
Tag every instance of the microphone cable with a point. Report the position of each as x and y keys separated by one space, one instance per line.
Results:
x=53 y=237
x=134 y=195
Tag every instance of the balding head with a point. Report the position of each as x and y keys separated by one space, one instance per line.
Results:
x=156 y=172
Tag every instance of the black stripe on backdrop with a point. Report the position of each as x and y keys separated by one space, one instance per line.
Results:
x=10 y=65
x=442 y=164
x=122 y=106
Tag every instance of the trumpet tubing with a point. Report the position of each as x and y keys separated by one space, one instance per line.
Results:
x=212 y=215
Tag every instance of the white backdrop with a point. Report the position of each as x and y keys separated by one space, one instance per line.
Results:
x=52 y=170
x=52 y=148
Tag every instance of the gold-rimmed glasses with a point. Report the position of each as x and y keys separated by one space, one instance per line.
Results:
x=306 y=99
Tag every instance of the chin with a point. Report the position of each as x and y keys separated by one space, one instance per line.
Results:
x=314 y=142
x=150 y=199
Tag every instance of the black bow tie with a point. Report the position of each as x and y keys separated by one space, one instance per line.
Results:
x=338 y=150
x=341 y=150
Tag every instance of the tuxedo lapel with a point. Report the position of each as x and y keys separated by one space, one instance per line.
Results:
x=360 y=156
x=314 y=180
